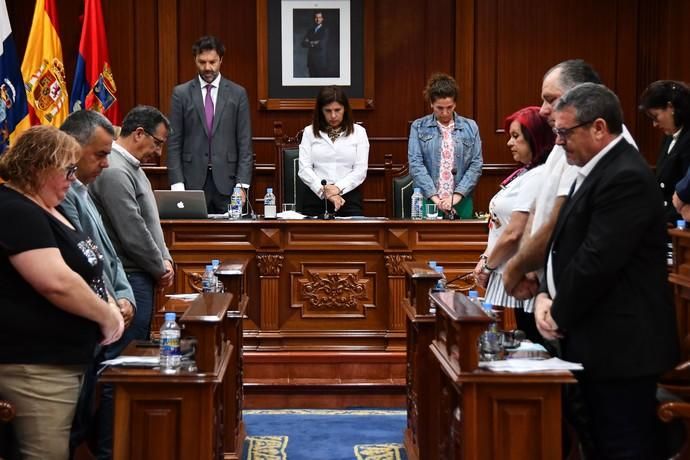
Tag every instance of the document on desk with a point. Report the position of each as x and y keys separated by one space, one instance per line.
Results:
x=191 y=296
x=290 y=215
x=134 y=361
x=530 y=365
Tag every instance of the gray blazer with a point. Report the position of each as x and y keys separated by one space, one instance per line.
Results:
x=231 y=147
x=85 y=217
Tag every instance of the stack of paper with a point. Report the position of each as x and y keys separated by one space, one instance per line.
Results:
x=136 y=361
x=292 y=215
x=531 y=365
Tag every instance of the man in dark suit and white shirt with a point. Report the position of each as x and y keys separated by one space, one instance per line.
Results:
x=605 y=294
x=210 y=144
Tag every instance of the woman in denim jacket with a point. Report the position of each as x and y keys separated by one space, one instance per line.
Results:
x=444 y=150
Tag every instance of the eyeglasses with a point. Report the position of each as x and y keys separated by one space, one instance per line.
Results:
x=71 y=172
x=159 y=143
x=564 y=133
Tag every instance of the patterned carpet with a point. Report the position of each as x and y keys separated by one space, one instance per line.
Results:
x=306 y=434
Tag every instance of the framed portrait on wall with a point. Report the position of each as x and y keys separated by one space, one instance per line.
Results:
x=304 y=45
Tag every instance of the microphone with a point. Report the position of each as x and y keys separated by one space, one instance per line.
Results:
x=452 y=215
x=326 y=216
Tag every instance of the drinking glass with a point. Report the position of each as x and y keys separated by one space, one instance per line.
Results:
x=431 y=211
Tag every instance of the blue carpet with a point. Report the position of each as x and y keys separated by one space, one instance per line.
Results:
x=299 y=434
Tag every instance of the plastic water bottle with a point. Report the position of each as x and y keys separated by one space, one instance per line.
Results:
x=489 y=310
x=417 y=204
x=680 y=224
x=474 y=297
x=208 y=280
x=269 y=204
x=219 y=283
x=235 y=208
x=440 y=284
x=170 y=354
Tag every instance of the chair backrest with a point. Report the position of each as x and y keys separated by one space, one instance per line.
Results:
x=402 y=196
x=291 y=187
x=398 y=188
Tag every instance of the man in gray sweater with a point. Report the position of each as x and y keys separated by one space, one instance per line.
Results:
x=124 y=198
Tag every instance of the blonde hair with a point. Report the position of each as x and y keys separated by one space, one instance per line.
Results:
x=39 y=150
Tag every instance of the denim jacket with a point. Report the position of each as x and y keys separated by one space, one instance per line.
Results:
x=424 y=154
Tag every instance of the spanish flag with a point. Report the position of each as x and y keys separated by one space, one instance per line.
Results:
x=13 y=109
x=43 y=68
x=94 y=84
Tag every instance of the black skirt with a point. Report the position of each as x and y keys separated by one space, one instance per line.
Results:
x=312 y=205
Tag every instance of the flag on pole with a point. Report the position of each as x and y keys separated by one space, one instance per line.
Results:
x=43 y=68
x=94 y=84
x=13 y=109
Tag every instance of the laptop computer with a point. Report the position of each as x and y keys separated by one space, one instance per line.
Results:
x=181 y=204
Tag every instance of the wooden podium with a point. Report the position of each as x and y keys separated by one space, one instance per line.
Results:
x=190 y=414
x=489 y=415
x=422 y=383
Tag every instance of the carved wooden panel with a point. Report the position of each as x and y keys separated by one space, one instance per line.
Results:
x=165 y=416
x=333 y=290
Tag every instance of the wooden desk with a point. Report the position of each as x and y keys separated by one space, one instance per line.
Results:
x=680 y=280
x=324 y=326
x=421 y=439
x=323 y=285
x=489 y=415
x=186 y=415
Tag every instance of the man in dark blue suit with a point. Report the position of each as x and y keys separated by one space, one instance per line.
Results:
x=316 y=42
x=605 y=294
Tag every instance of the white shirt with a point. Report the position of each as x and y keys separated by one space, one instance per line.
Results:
x=517 y=196
x=675 y=136
x=582 y=174
x=557 y=179
x=343 y=163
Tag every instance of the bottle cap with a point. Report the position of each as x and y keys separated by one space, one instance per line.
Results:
x=439 y=269
x=680 y=223
x=215 y=262
x=473 y=294
x=432 y=264
x=269 y=190
x=170 y=316
x=209 y=267
x=417 y=190
x=488 y=306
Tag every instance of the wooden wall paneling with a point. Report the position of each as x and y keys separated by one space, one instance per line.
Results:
x=167 y=52
x=117 y=16
x=146 y=52
x=400 y=74
x=189 y=29
x=650 y=63
x=439 y=37
x=625 y=80
x=465 y=70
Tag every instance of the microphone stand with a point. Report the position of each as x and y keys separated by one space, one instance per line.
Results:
x=326 y=215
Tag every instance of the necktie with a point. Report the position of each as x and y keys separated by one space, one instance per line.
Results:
x=208 y=110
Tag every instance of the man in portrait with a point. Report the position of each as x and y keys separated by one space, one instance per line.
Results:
x=316 y=42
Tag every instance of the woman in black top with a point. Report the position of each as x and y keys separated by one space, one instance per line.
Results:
x=54 y=308
x=667 y=103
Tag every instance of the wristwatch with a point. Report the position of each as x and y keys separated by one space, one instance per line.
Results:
x=485 y=265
